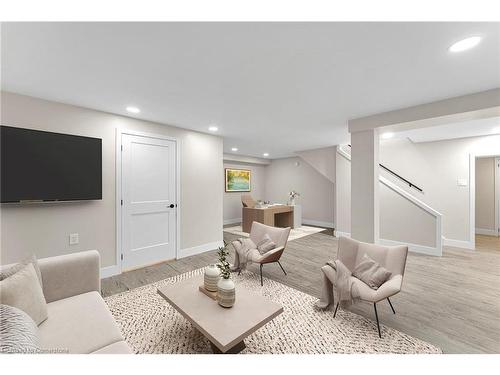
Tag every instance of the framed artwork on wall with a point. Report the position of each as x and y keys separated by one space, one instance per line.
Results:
x=238 y=180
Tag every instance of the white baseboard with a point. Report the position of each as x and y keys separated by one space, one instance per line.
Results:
x=342 y=234
x=487 y=232
x=110 y=271
x=324 y=224
x=421 y=249
x=200 y=249
x=232 y=221
x=458 y=243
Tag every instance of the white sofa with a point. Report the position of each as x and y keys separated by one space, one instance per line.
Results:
x=79 y=320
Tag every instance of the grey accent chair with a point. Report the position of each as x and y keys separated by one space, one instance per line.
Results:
x=350 y=253
x=278 y=235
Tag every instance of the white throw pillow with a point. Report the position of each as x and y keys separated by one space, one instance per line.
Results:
x=17 y=267
x=18 y=332
x=23 y=291
x=266 y=244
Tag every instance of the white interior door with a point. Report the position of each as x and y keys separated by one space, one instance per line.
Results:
x=149 y=205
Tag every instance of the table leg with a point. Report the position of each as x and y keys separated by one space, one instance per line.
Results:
x=234 y=350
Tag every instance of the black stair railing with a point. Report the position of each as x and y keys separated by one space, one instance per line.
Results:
x=409 y=183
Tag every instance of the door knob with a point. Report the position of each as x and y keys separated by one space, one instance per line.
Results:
x=172 y=205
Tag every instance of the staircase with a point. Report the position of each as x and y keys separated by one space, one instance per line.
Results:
x=404 y=219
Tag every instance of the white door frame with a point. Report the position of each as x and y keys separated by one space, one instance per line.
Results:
x=118 y=193
x=472 y=193
x=497 y=195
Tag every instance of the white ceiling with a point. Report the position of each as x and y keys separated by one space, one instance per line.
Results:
x=270 y=87
x=465 y=129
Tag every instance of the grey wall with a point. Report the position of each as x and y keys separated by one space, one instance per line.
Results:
x=435 y=167
x=485 y=193
x=343 y=195
x=232 y=201
x=44 y=228
x=316 y=191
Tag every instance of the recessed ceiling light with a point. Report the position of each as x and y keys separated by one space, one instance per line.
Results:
x=265 y=154
x=387 y=135
x=465 y=44
x=132 y=109
x=234 y=149
x=213 y=128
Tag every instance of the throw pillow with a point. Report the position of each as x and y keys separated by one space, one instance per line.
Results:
x=17 y=267
x=371 y=273
x=266 y=244
x=22 y=290
x=18 y=332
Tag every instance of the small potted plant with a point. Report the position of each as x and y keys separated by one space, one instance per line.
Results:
x=292 y=195
x=225 y=287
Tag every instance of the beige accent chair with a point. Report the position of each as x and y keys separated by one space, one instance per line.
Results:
x=278 y=235
x=350 y=253
x=79 y=321
x=248 y=201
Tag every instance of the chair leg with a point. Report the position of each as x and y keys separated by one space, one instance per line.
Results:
x=392 y=308
x=336 y=307
x=281 y=267
x=261 y=281
x=239 y=272
x=376 y=316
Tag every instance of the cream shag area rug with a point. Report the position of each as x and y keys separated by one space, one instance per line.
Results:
x=150 y=325
x=295 y=233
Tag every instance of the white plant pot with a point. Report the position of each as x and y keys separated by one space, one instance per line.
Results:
x=226 y=293
x=211 y=278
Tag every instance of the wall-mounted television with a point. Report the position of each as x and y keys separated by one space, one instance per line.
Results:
x=44 y=166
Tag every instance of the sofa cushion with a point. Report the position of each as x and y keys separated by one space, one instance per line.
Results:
x=18 y=332
x=79 y=324
x=12 y=269
x=120 y=347
x=23 y=290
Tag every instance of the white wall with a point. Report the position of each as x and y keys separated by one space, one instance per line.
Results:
x=44 y=228
x=436 y=167
x=321 y=159
x=232 y=200
x=343 y=195
x=403 y=221
x=433 y=166
x=485 y=194
x=316 y=191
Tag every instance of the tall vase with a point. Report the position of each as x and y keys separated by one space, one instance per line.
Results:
x=211 y=278
x=292 y=202
x=226 y=293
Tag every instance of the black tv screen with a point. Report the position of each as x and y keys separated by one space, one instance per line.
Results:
x=43 y=166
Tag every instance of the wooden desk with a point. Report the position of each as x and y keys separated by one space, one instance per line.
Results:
x=275 y=216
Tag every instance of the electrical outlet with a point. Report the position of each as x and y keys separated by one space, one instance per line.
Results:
x=74 y=239
x=462 y=182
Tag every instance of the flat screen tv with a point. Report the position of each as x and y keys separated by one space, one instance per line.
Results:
x=43 y=166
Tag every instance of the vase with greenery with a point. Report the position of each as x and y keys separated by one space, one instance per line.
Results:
x=226 y=295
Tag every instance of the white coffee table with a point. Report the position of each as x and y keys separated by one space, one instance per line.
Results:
x=226 y=328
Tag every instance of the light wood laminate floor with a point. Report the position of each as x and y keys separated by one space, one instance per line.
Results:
x=451 y=301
